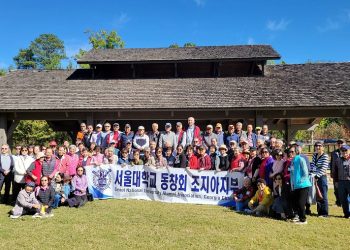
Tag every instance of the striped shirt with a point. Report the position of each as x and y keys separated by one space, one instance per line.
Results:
x=320 y=164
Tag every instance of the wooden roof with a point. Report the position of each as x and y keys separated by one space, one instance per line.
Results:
x=283 y=86
x=188 y=54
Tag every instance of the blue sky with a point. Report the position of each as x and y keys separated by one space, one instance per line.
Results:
x=298 y=30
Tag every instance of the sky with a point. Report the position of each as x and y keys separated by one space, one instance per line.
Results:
x=301 y=31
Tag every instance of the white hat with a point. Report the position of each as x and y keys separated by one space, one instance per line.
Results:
x=40 y=155
x=141 y=128
x=98 y=126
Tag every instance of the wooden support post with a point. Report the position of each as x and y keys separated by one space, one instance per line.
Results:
x=10 y=131
x=219 y=69
x=133 y=71
x=3 y=129
x=90 y=119
x=289 y=131
x=347 y=122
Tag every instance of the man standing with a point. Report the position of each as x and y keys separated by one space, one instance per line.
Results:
x=334 y=156
x=127 y=136
x=219 y=133
x=180 y=135
x=104 y=135
x=265 y=135
x=320 y=164
x=192 y=132
x=208 y=135
x=81 y=133
x=154 y=135
x=50 y=164
x=239 y=131
x=114 y=136
x=141 y=140
x=251 y=136
x=97 y=135
x=88 y=136
x=6 y=175
x=341 y=176
x=167 y=139
x=230 y=135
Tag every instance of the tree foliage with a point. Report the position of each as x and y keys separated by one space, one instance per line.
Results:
x=105 y=40
x=2 y=72
x=36 y=133
x=78 y=56
x=25 y=59
x=174 y=45
x=189 y=44
x=45 y=52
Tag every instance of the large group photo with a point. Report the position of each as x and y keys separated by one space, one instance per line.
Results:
x=185 y=125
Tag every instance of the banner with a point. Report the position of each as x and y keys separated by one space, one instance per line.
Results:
x=165 y=184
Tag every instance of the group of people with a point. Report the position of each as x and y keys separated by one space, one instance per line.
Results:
x=280 y=180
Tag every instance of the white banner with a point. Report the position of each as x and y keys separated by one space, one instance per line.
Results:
x=166 y=184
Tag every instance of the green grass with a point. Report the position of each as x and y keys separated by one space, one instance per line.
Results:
x=121 y=224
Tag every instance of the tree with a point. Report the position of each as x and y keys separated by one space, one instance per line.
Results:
x=189 y=44
x=105 y=40
x=25 y=59
x=45 y=52
x=36 y=133
x=78 y=56
x=174 y=45
x=2 y=72
x=48 y=51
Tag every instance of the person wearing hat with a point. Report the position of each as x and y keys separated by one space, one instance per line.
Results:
x=168 y=139
x=258 y=133
x=127 y=135
x=26 y=202
x=107 y=130
x=141 y=140
x=208 y=135
x=219 y=133
x=320 y=165
x=341 y=176
x=224 y=163
x=35 y=169
x=97 y=135
x=334 y=156
x=230 y=135
x=180 y=135
x=204 y=161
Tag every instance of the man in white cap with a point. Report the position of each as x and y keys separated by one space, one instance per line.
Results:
x=141 y=140
x=167 y=139
x=114 y=136
x=208 y=135
x=97 y=135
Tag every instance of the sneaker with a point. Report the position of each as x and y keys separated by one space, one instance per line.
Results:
x=49 y=215
x=296 y=219
x=37 y=215
x=248 y=211
x=323 y=216
x=300 y=222
x=14 y=216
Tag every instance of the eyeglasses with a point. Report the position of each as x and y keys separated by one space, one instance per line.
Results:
x=291 y=151
x=24 y=149
x=318 y=146
x=278 y=179
x=265 y=152
x=107 y=126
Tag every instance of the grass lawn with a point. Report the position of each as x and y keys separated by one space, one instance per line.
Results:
x=120 y=224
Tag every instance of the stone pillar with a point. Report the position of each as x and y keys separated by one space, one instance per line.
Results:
x=3 y=128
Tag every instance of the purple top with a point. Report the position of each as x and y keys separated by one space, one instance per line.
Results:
x=79 y=183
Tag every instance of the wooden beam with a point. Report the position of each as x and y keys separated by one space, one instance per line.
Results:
x=3 y=128
x=175 y=71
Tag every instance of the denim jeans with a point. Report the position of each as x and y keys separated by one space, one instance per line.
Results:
x=56 y=201
x=344 y=192
x=241 y=205
x=322 y=206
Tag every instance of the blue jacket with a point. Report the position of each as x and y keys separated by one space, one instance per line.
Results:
x=125 y=138
x=299 y=174
x=230 y=137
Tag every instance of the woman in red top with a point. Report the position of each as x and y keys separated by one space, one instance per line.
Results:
x=192 y=160
x=238 y=160
x=35 y=169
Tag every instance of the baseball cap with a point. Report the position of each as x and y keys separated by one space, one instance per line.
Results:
x=116 y=124
x=141 y=128
x=345 y=147
x=168 y=125
x=98 y=126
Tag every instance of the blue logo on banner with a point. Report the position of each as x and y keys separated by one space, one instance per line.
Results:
x=102 y=179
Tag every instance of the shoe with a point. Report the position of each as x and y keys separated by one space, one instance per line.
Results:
x=37 y=215
x=296 y=219
x=49 y=215
x=300 y=222
x=308 y=212
x=14 y=216
x=323 y=216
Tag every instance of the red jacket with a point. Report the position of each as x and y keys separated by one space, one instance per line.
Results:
x=38 y=166
x=204 y=162
x=63 y=164
x=87 y=163
x=193 y=162
x=237 y=162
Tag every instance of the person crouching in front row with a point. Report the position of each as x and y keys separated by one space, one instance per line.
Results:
x=26 y=202
x=262 y=200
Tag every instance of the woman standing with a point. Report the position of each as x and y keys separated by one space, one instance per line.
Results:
x=22 y=163
x=300 y=183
